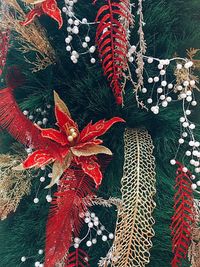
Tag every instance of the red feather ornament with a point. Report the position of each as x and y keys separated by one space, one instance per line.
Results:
x=112 y=41
x=183 y=215
x=78 y=258
x=73 y=197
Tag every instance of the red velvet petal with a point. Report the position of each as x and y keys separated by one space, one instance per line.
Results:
x=38 y=159
x=51 y=9
x=64 y=121
x=36 y=12
x=90 y=167
x=97 y=129
x=55 y=135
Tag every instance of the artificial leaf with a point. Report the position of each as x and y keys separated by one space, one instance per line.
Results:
x=55 y=135
x=38 y=159
x=134 y=228
x=90 y=167
x=36 y=12
x=90 y=150
x=74 y=195
x=183 y=216
x=77 y=258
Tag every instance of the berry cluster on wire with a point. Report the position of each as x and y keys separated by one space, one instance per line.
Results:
x=95 y=229
x=74 y=26
x=37 y=263
x=40 y=117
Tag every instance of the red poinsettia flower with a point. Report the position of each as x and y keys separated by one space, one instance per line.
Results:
x=48 y=7
x=80 y=148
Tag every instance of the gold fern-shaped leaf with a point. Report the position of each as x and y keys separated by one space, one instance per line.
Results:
x=134 y=228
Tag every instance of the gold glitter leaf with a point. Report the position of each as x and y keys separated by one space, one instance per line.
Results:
x=14 y=185
x=134 y=224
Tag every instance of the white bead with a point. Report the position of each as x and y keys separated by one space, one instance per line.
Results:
x=102 y=227
x=92 y=49
x=188 y=153
x=179 y=87
x=169 y=99
x=76 y=22
x=194 y=103
x=50 y=175
x=90 y=224
x=159 y=90
x=144 y=90
x=191 y=143
x=184 y=134
x=84 y=20
x=194 y=186
x=185 y=169
x=23 y=259
x=36 y=200
x=84 y=44
x=87 y=214
x=77 y=240
x=81 y=215
x=64 y=9
x=192 y=83
x=150 y=60
x=163 y=83
x=162 y=97
x=196 y=164
x=197 y=170
x=76 y=245
x=131 y=59
x=75 y=30
x=172 y=161
x=69 y=29
x=187 y=66
x=25 y=112
x=185 y=124
x=29 y=150
x=164 y=104
x=41 y=265
x=92 y=60
x=40 y=251
x=87 y=220
x=111 y=236
x=48 y=198
x=188 y=112
x=160 y=66
x=94 y=240
x=185 y=83
x=37 y=264
x=195 y=152
x=162 y=62
x=150 y=80
x=155 y=109
x=39 y=123
x=89 y=243
x=156 y=79
x=179 y=66
x=192 y=126
x=74 y=135
x=149 y=100
x=167 y=61
x=181 y=141
x=87 y=39
x=96 y=223
x=67 y=40
x=44 y=121
x=73 y=58
x=104 y=238
x=192 y=161
x=42 y=179
x=30 y=117
x=189 y=99
x=68 y=48
x=170 y=86
x=162 y=72
x=193 y=177
x=132 y=49
x=183 y=95
x=43 y=168
x=92 y=215
x=70 y=138
x=198 y=183
x=182 y=119
x=99 y=232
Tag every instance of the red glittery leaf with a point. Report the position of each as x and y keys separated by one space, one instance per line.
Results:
x=90 y=167
x=36 y=12
x=73 y=196
x=51 y=9
x=112 y=42
x=183 y=216
x=4 y=44
x=38 y=159
x=91 y=131
x=55 y=135
x=77 y=258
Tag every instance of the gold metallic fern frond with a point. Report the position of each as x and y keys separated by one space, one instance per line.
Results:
x=134 y=228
